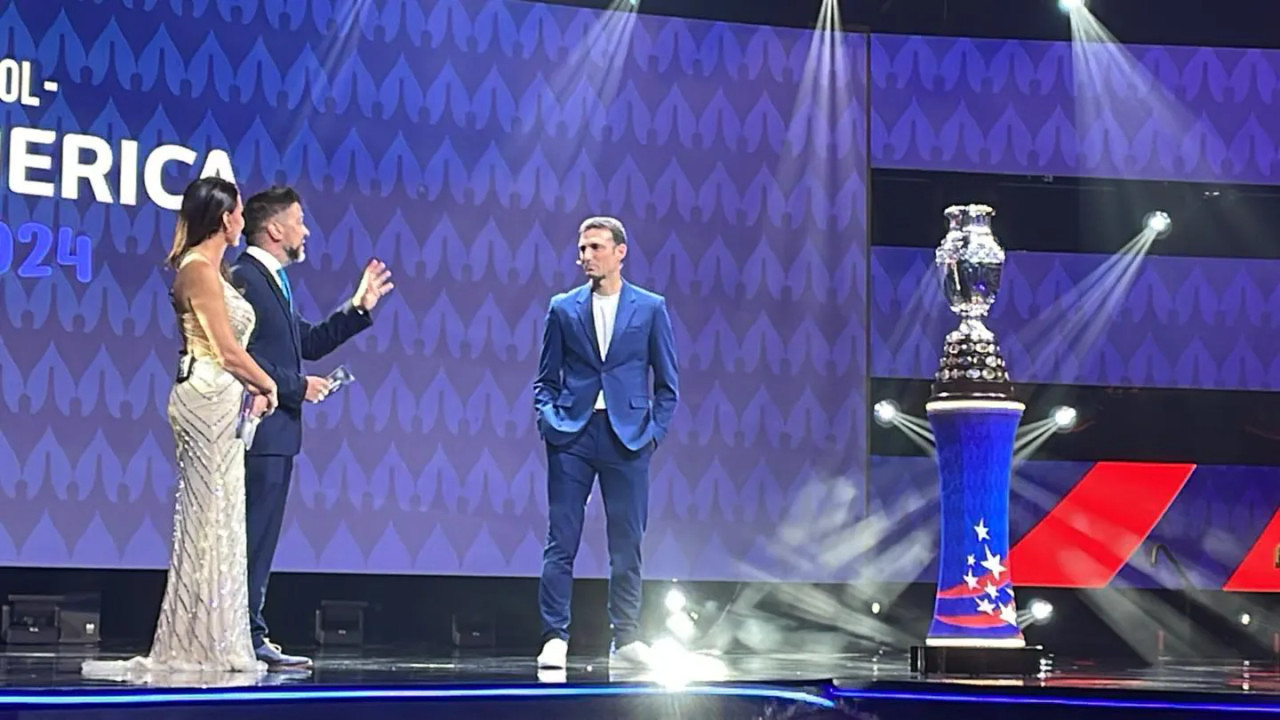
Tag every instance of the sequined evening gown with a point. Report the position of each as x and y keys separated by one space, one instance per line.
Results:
x=204 y=619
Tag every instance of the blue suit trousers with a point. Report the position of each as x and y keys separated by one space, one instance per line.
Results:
x=624 y=486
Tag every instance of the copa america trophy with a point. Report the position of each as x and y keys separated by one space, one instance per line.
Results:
x=975 y=419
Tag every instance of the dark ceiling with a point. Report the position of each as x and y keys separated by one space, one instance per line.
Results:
x=1234 y=23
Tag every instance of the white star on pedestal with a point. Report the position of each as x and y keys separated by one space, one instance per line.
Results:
x=970 y=580
x=972 y=560
x=1009 y=614
x=981 y=528
x=985 y=605
x=992 y=563
x=991 y=590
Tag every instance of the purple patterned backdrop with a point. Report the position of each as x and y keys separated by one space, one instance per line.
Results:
x=1023 y=107
x=1181 y=322
x=462 y=141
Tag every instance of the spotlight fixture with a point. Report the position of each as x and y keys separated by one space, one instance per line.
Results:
x=886 y=411
x=1064 y=417
x=1041 y=610
x=1068 y=6
x=1158 y=222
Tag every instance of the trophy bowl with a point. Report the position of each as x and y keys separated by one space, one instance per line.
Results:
x=970 y=263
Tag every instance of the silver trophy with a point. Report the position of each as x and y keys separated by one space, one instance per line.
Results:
x=970 y=261
x=339 y=377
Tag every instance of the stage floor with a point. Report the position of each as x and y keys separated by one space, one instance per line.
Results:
x=344 y=682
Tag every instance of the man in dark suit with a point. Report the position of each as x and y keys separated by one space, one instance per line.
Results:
x=598 y=418
x=277 y=235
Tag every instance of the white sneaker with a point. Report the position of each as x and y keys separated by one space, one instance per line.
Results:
x=554 y=655
x=633 y=654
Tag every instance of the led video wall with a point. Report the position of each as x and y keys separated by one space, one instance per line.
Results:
x=462 y=141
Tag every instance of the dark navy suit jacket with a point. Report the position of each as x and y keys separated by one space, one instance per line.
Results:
x=571 y=374
x=281 y=340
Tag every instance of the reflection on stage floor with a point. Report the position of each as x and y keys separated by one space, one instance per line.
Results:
x=821 y=686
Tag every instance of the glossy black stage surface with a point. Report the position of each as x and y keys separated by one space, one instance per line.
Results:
x=377 y=683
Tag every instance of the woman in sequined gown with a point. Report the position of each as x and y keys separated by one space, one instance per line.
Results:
x=203 y=625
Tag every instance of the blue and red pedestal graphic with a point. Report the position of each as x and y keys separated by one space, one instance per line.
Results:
x=975 y=605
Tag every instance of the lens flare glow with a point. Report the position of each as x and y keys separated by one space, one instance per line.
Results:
x=1158 y=222
x=886 y=412
x=1064 y=417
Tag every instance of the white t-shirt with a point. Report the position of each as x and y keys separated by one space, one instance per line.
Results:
x=605 y=310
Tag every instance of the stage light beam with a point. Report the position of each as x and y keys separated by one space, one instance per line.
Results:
x=1068 y=6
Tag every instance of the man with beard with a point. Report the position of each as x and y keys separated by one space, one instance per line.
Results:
x=277 y=236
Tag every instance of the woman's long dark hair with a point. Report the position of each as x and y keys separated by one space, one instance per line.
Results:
x=204 y=202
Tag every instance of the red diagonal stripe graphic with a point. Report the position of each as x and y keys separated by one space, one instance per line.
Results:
x=1085 y=540
x=1258 y=571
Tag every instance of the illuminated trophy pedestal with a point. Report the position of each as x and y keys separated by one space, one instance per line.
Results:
x=974 y=416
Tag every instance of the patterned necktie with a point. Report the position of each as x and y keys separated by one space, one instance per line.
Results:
x=284 y=284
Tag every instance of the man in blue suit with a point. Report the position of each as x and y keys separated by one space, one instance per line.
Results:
x=598 y=418
x=277 y=236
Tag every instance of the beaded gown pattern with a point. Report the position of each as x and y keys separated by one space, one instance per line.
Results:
x=203 y=625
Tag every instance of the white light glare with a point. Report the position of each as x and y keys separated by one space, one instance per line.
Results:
x=1158 y=222
x=681 y=626
x=1041 y=610
x=875 y=608
x=1064 y=417
x=1245 y=618
x=1067 y=6
x=675 y=600
x=886 y=412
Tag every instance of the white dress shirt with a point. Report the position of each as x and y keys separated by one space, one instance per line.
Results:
x=269 y=261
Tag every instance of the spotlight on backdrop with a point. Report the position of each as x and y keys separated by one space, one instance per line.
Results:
x=1067 y=6
x=886 y=411
x=1158 y=223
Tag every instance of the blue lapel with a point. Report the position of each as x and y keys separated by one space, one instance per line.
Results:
x=280 y=298
x=588 y=322
x=626 y=310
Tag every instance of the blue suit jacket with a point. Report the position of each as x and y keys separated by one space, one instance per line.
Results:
x=281 y=340
x=571 y=374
